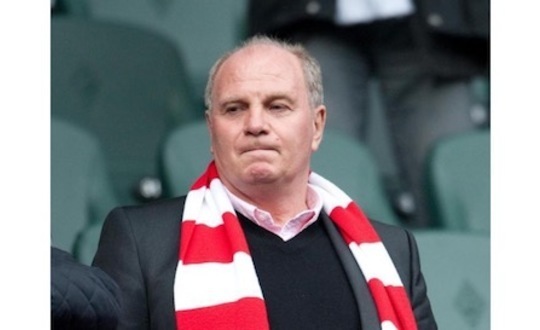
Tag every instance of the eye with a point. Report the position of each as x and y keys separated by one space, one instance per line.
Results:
x=278 y=107
x=232 y=109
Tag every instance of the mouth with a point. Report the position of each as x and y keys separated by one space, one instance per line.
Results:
x=258 y=149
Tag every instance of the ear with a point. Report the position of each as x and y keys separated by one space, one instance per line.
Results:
x=319 y=120
x=209 y=124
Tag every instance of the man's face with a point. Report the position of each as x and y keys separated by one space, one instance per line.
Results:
x=262 y=127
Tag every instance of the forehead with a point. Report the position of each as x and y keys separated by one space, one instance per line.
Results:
x=261 y=63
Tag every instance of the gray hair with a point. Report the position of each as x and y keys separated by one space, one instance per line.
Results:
x=310 y=67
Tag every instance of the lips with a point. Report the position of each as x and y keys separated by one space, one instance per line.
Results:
x=257 y=148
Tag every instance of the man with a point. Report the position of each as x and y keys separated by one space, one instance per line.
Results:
x=260 y=241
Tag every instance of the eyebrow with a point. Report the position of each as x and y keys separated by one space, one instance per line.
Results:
x=278 y=96
x=231 y=100
x=267 y=99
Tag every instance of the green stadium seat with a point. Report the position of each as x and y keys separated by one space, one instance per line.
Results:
x=202 y=29
x=126 y=85
x=81 y=193
x=456 y=267
x=185 y=154
x=351 y=166
x=458 y=181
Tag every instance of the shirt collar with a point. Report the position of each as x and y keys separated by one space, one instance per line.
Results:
x=292 y=227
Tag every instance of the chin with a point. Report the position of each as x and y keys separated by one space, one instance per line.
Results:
x=261 y=173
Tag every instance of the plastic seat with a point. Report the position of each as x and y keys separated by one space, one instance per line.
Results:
x=459 y=181
x=186 y=153
x=81 y=193
x=350 y=165
x=204 y=30
x=456 y=267
x=126 y=85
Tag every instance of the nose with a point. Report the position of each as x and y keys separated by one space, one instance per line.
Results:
x=256 y=121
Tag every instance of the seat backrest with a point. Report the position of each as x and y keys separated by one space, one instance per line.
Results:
x=458 y=181
x=126 y=85
x=81 y=193
x=456 y=268
x=185 y=154
x=350 y=165
x=347 y=163
x=203 y=29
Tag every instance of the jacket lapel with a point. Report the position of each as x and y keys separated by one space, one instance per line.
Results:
x=366 y=306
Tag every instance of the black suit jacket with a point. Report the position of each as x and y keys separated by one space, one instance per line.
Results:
x=139 y=249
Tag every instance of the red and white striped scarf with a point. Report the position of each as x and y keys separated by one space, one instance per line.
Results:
x=216 y=285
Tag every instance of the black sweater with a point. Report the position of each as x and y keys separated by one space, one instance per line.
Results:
x=303 y=282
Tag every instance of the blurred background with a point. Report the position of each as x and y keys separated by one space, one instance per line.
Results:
x=408 y=137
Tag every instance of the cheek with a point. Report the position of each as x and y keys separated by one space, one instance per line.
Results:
x=305 y=132
x=299 y=139
x=222 y=139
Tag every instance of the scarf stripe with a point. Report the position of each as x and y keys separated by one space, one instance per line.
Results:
x=225 y=316
x=216 y=285
x=233 y=283
x=375 y=263
x=208 y=245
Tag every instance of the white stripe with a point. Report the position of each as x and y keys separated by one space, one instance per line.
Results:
x=331 y=191
x=221 y=198
x=201 y=207
x=212 y=283
x=209 y=214
x=194 y=201
x=388 y=325
x=375 y=263
x=329 y=203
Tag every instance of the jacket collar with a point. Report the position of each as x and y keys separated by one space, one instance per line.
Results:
x=365 y=303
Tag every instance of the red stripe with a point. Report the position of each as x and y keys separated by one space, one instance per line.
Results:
x=392 y=305
x=204 y=180
x=402 y=307
x=235 y=232
x=380 y=297
x=246 y=313
x=353 y=224
x=185 y=236
x=200 y=182
x=201 y=243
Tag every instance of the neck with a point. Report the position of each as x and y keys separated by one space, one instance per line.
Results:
x=282 y=202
